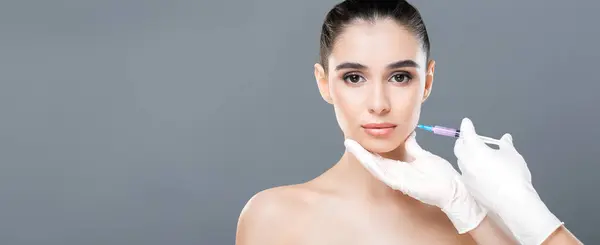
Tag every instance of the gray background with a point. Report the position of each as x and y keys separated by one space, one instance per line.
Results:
x=153 y=122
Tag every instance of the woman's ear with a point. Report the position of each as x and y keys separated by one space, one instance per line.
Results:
x=322 y=82
x=428 y=79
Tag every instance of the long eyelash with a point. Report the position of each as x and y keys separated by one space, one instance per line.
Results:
x=402 y=73
x=346 y=75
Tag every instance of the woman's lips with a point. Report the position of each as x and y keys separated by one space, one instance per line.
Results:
x=379 y=129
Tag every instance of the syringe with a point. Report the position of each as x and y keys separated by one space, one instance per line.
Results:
x=451 y=132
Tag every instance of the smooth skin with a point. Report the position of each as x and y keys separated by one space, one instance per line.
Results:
x=562 y=236
x=346 y=204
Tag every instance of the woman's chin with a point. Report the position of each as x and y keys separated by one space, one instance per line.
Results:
x=380 y=146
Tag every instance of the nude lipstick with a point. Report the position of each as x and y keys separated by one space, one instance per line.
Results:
x=379 y=129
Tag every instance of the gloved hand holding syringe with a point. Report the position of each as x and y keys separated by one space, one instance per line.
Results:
x=496 y=180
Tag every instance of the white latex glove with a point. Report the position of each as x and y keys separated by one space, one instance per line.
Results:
x=500 y=180
x=429 y=179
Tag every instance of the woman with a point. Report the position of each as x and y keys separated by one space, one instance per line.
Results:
x=375 y=70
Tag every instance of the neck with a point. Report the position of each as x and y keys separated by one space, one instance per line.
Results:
x=353 y=178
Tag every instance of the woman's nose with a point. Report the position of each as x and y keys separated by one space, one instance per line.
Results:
x=379 y=102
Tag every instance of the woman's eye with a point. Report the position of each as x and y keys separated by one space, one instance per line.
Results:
x=353 y=78
x=401 y=78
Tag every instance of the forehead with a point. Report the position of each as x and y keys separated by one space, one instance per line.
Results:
x=376 y=44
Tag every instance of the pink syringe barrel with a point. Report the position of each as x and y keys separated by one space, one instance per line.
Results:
x=446 y=131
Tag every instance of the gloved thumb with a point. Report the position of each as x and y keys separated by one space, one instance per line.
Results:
x=468 y=133
x=366 y=158
x=413 y=148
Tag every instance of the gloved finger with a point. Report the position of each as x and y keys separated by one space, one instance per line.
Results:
x=396 y=174
x=413 y=148
x=461 y=151
x=366 y=158
x=402 y=176
x=460 y=165
x=506 y=143
x=465 y=169
x=424 y=161
x=507 y=138
x=468 y=133
x=434 y=167
x=459 y=148
x=397 y=169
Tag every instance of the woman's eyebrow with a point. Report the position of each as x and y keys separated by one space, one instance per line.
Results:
x=403 y=63
x=350 y=65
x=395 y=65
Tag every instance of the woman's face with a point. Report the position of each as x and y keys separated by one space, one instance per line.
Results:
x=376 y=80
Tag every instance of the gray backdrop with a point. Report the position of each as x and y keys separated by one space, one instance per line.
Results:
x=153 y=122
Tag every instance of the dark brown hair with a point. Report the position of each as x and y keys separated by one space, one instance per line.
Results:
x=348 y=11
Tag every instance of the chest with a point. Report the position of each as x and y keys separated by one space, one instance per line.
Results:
x=376 y=228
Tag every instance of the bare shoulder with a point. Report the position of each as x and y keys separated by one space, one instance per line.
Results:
x=269 y=214
x=272 y=203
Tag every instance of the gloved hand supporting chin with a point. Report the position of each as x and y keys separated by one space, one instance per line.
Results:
x=429 y=179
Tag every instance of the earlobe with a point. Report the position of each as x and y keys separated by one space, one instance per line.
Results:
x=322 y=83
x=428 y=80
